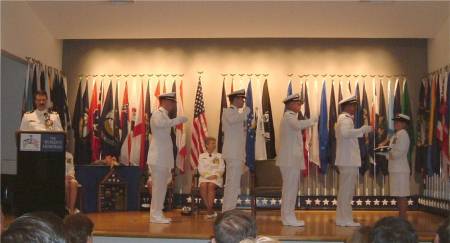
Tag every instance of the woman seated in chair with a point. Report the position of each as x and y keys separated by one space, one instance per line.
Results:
x=71 y=185
x=210 y=168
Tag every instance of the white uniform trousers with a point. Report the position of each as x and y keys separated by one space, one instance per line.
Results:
x=347 y=183
x=160 y=175
x=232 y=185
x=291 y=177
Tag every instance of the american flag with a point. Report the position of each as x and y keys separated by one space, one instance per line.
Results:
x=199 y=127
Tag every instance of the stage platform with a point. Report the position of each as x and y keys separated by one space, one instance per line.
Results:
x=320 y=226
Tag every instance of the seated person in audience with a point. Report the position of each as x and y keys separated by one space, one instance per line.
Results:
x=78 y=228
x=393 y=230
x=210 y=168
x=443 y=233
x=38 y=227
x=234 y=226
x=71 y=185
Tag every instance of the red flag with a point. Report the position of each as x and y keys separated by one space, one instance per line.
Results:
x=180 y=132
x=199 y=127
x=137 y=155
x=93 y=117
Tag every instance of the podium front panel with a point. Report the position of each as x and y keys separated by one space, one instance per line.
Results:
x=40 y=172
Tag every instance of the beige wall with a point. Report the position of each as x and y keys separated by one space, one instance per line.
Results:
x=24 y=35
x=277 y=57
x=439 y=47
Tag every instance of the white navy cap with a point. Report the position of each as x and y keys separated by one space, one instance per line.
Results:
x=293 y=97
x=402 y=117
x=237 y=93
x=168 y=96
x=349 y=100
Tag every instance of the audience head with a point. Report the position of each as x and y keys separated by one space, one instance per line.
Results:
x=39 y=227
x=443 y=233
x=78 y=228
x=393 y=230
x=234 y=226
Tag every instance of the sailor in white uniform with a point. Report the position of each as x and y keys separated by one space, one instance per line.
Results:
x=348 y=159
x=290 y=158
x=160 y=154
x=41 y=119
x=398 y=165
x=234 y=131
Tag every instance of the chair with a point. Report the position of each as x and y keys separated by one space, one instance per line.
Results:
x=266 y=181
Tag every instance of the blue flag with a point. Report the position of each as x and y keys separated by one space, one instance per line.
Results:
x=289 y=89
x=323 y=131
x=251 y=131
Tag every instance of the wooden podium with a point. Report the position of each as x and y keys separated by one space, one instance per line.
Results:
x=40 y=172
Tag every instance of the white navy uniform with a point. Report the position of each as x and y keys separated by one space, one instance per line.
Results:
x=41 y=121
x=211 y=165
x=160 y=157
x=398 y=165
x=291 y=160
x=234 y=129
x=348 y=160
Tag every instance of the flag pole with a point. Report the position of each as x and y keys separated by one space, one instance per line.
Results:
x=374 y=178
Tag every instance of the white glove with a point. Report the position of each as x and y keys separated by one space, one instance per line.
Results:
x=183 y=119
x=246 y=110
x=367 y=129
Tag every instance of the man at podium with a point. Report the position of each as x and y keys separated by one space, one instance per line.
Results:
x=41 y=119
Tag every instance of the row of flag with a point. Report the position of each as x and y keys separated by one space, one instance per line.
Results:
x=103 y=127
x=432 y=151
x=51 y=80
x=319 y=141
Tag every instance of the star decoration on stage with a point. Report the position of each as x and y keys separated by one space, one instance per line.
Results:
x=325 y=202
x=317 y=201
x=368 y=202
x=385 y=202
x=308 y=201
x=239 y=201
x=376 y=202
x=393 y=202
x=264 y=201
x=189 y=199
x=334 y=202
x=359 y=202
x=247 y=201
x=352 y=203
x=273 y=201
x=215 y=200
x=410 y=202
x=221 y=201
x=279 y=201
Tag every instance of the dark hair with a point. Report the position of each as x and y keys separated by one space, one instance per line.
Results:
x=39 y=227
x=41 y=93
x=444 y=231
x=78 y=228
x=234 y=226
x=393 y=230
